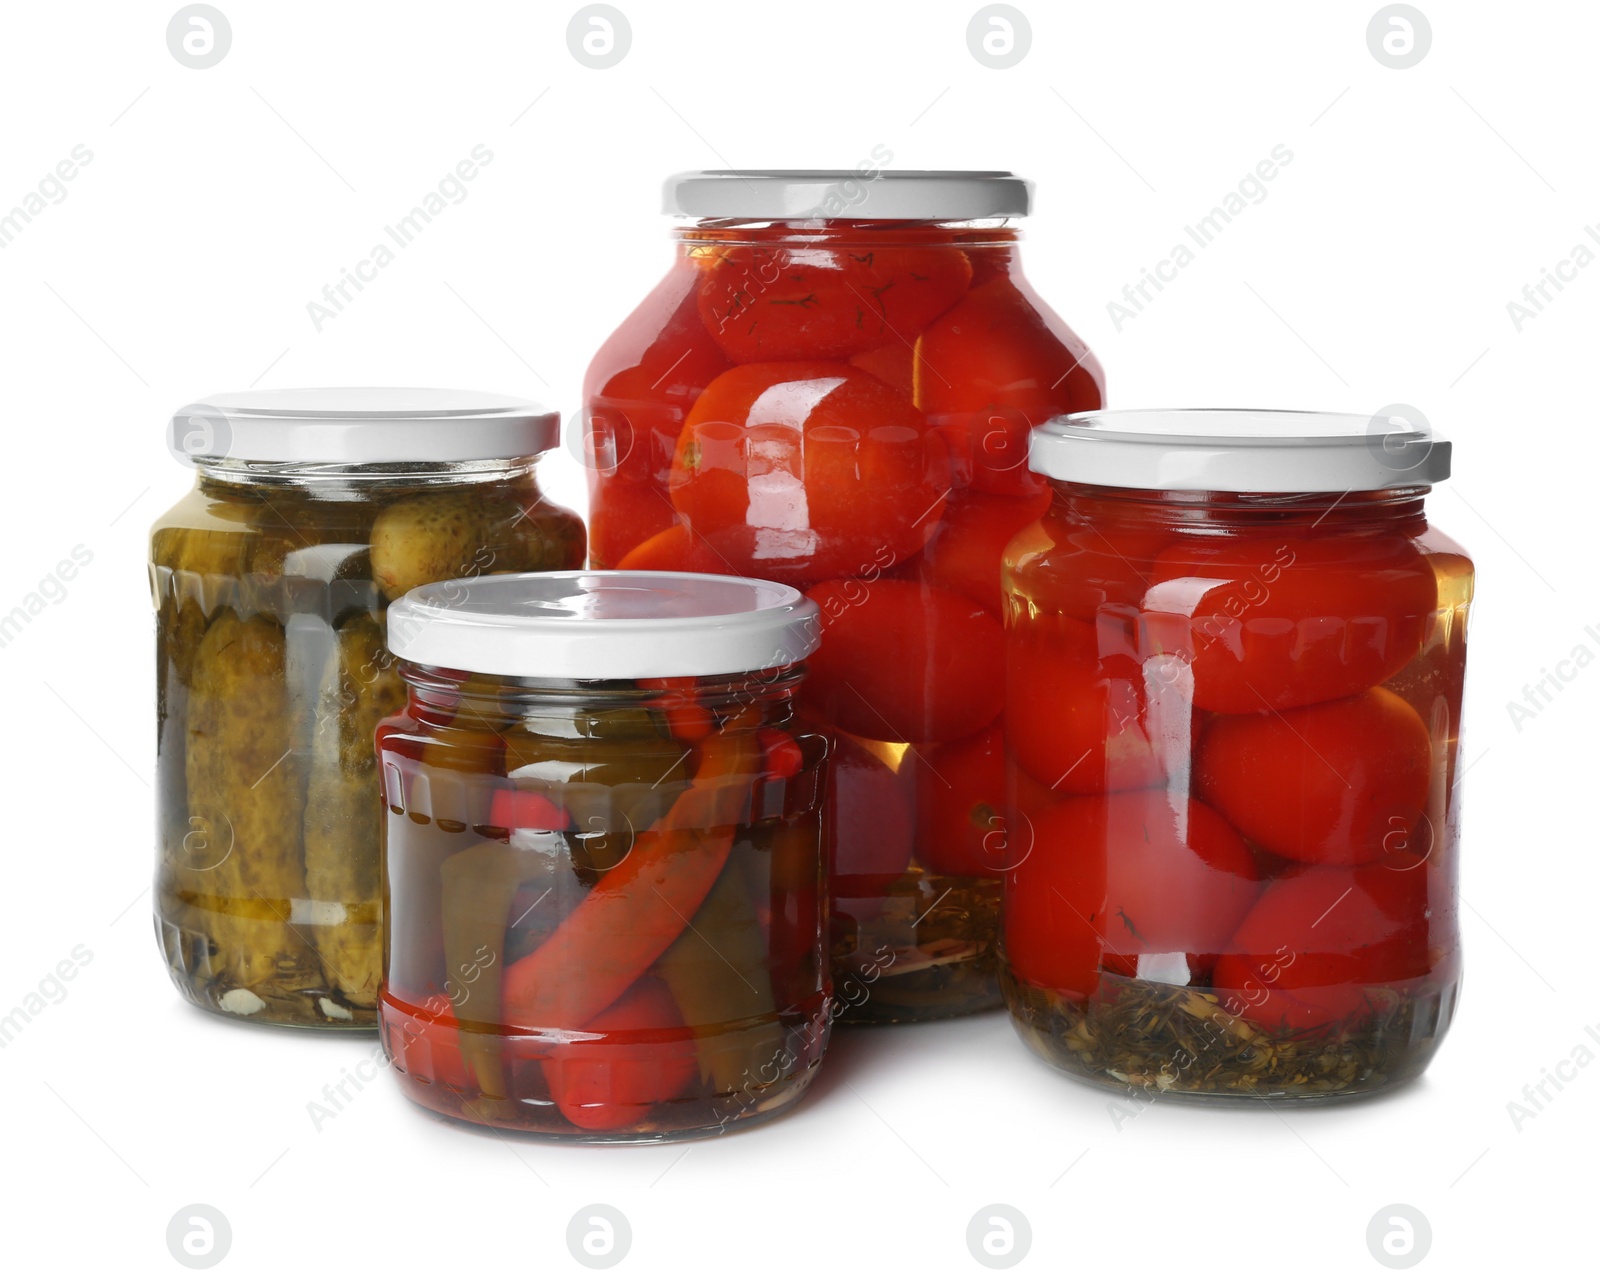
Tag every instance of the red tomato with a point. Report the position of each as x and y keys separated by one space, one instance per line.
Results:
x=1080 y=722
x=968 y=822
x=964 y=552
x=1338 y=782
x=997 y=364
x=781 y=302
x=622 y=516
x=1089 y=570
x=675 y=549
x=869 y=822
x=802 y=471
x=1309 y=950
x=1115 y=878
x=890 y=363
x=425 y=1043
x=642 y=382
x=1279 y=622
x=644 y=1055
x=904 y=662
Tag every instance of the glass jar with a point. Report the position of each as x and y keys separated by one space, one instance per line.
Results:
x=833 y=387
x=311 y=511
x=1235 y=651
x=603 y=859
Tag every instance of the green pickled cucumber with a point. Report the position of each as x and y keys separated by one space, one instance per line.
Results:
x=193 y=573
x=246 y=796
x=343 y=829
x=536 y=537
x=424 y=538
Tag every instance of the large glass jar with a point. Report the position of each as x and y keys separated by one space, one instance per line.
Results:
x=311 y=511
x=1235 y=650
x=604 y=873
x=833 y=387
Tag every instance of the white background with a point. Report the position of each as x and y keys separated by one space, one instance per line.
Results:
x=1378 y=269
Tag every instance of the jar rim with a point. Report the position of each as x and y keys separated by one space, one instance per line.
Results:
x=359 y=426
x=604 y=625
x=1245 y=450
x=862 y=193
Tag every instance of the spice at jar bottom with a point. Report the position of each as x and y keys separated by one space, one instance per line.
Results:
x=1138 y=1035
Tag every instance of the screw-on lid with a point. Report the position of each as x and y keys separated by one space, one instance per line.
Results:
x=360 y=426
x=884 y=194
x=1241 y=450
x=601 y=625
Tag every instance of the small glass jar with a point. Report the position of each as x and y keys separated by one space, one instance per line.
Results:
x=311 y=511
x=1235 y=652
x=833 y=387
x=604 y=878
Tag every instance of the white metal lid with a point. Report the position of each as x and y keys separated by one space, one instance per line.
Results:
x=885 y=194
x=360 y=426
x=598 y=625
x=1213 y=449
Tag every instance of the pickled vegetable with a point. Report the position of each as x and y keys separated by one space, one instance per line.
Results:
x=344 y=815
x=430 y=537
x=843 y=405
x=270 y=639
x=639 y=952
x=244 y=790
x=1239 y=877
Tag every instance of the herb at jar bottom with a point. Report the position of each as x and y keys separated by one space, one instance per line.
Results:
x=929 y=952
x=1160 y=1038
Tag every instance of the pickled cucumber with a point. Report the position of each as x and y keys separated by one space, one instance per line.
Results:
x=246 y=795
x=271 y=675
x=344 y=811
x=438 y=536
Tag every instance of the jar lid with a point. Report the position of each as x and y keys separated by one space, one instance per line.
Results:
x=1213 y=449
x=601 y=625
x=883 y=194
x=360 y=426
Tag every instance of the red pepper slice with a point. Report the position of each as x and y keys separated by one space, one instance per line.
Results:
x=643 y=903
x=514 y=808
x=780 y=755
x=641 y=1054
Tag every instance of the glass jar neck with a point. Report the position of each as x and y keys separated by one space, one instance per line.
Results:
x=336 y=480
x=842 y=232
x=588 y=708
x=1234 y=511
